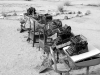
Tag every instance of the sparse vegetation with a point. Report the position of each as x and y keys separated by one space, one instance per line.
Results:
x=28 y=0
x=79 y=12
x=66 y=17
x=88 y=12
x=67 y=3
x=95 y=5
x=15 y=14
x=4 y=14
x=60 y=8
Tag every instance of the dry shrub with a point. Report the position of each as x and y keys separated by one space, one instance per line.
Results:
x=88 y=12
x=95 y=5
x=70 y=12
x=79 y=12
x=14 y=14
x=28 y=0
x=79 y=15
x=60 y=8
x=66 y=17
x=4 y=14
x=67 y=3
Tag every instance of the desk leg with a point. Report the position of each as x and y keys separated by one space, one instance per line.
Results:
x=28 y=39
x=39 y=41
x=34 y=35
x=87 y=70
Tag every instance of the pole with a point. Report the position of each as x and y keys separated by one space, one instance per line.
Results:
x=34 y=33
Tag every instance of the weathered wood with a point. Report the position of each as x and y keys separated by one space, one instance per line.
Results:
x=34 y=34
x=63 y=45
x=87 y=70
x=39 y=40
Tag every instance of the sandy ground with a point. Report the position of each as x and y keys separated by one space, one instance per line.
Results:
x=18 y=57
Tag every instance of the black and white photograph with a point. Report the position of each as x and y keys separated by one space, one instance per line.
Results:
x=49 y=37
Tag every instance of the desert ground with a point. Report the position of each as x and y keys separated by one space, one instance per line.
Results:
x=18 y=57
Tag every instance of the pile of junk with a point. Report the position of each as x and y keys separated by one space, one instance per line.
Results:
x=59 y=43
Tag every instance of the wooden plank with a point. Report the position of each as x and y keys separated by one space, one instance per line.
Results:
x=63 y=45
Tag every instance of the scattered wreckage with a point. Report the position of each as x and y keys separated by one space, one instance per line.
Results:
x=72 y=51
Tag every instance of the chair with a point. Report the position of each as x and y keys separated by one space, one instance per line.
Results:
x=44 y=43
x=34 y=34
